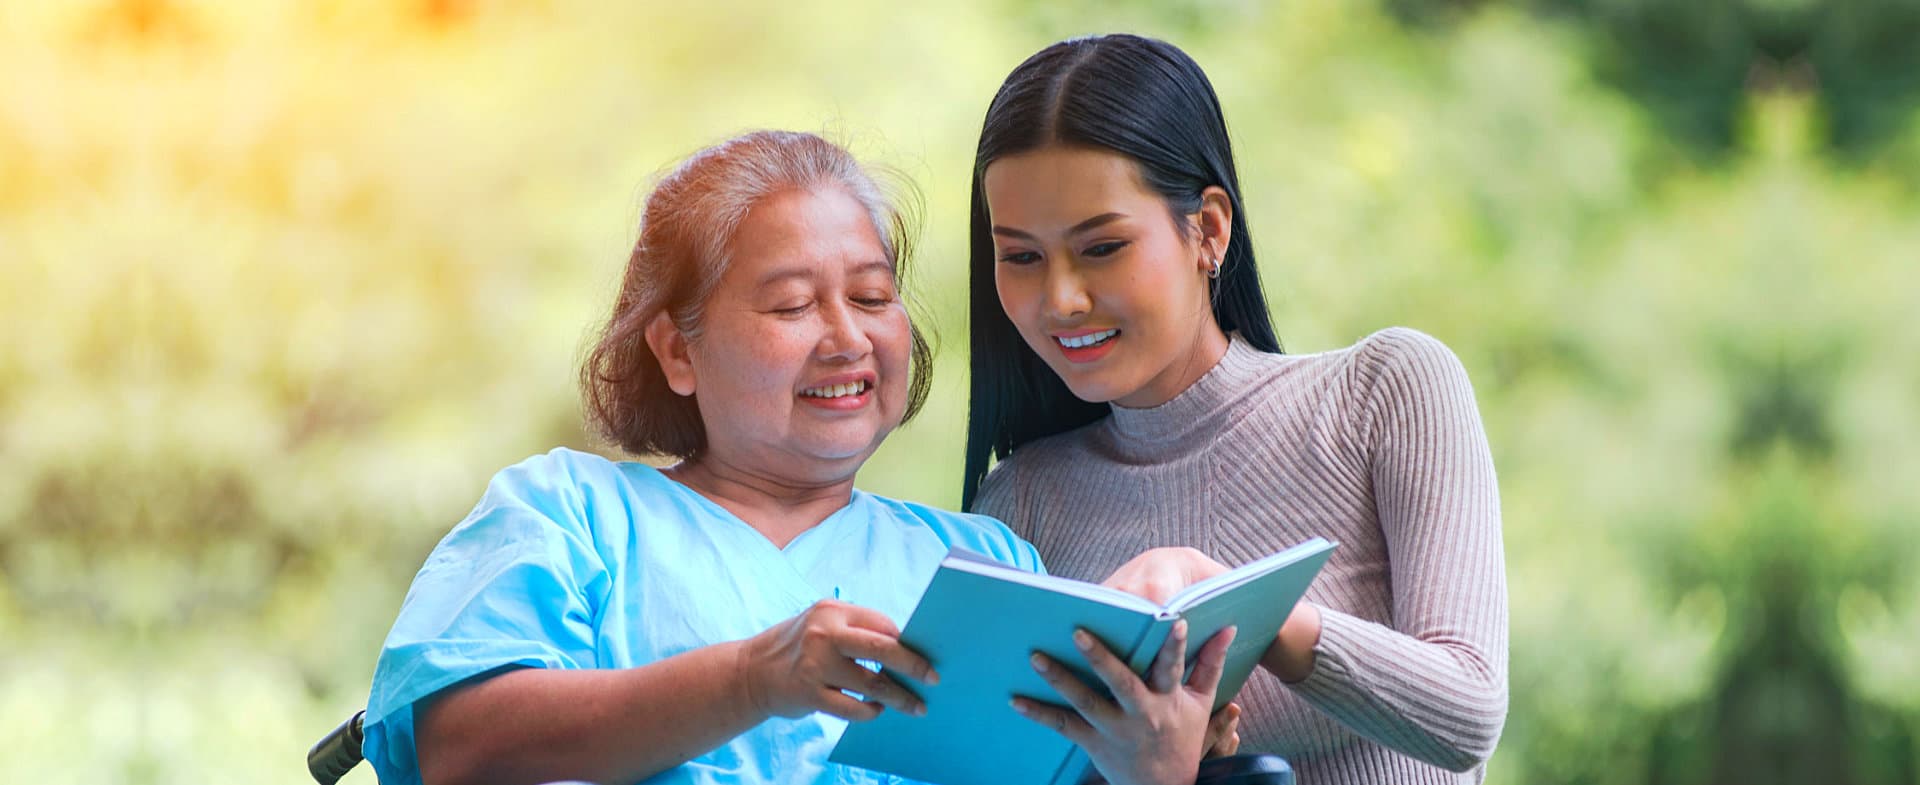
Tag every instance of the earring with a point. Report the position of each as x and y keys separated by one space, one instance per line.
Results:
x=1214 y=271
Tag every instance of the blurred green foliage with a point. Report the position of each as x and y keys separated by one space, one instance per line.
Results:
x=283 y=284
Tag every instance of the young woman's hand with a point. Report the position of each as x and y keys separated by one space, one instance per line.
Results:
x=801 y=665
x=1150 y=732
x=1159 y=573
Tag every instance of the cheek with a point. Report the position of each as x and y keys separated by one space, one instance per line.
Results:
x=1152 y=285
x=744 y=362
x=892 y=338
x=1017 y=294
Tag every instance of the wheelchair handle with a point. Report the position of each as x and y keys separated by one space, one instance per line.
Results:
x=337 y=752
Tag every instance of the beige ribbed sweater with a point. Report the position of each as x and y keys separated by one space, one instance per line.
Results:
x=1378 y=447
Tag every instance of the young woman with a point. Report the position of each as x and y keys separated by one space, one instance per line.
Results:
x=1148 y=429
x=611 y=622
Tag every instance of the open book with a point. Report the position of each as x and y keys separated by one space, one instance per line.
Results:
x=979 y=621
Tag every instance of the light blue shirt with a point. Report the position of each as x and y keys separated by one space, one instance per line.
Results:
x=574 y=561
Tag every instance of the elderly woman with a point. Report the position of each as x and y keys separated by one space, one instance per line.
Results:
x=704 y=623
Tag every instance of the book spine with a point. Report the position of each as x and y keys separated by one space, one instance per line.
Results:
x=1073 y=769
x=1140 y=657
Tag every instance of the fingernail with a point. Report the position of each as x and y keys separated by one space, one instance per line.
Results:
x=1018 y=706
x=920 y=710
x=1083 y=640
x=932 y=679
x=1180 y=628
x=1039 y=662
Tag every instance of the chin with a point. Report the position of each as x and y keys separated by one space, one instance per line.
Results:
x=1094 y=390
x=852 y=448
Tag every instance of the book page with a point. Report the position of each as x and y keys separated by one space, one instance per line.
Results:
x=971 y=562
x=1226 y=581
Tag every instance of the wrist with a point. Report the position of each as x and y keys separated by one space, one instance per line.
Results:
x=1291 y=657
x=750 y=694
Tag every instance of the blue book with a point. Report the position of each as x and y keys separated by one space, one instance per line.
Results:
x=979 y=621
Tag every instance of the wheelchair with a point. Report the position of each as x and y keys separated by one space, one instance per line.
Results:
x=339 y=751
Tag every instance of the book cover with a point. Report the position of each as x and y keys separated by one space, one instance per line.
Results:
x=977 y=623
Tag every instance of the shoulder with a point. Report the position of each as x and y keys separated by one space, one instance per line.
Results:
x=978 y=533
x=558 y=471
x=562 y=490
x=1404 y=358
x=1402 y=375
x=1002 y=492
x=1054 y=450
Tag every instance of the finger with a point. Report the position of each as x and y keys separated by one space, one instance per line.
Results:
x=1084 y=699
x=1228 y=746
x=870 y=619
x=862 y=644
x=876 y=687
x=1127 y=688
x=1064 y=721
x=1211 y=660
x=1171 y=663
x=1222 y=731
x=842 y=705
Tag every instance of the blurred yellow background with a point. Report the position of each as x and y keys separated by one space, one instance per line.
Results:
x=283 y=283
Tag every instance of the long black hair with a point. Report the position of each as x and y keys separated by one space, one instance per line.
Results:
x=1146 y=100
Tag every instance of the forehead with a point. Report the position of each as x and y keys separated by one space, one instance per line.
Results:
x=815 y=230
x=1056 y=184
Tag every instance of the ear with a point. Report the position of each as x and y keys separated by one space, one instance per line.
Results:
x=1215 y=220
x=670 y=347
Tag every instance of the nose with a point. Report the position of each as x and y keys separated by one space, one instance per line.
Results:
x=1066 y=292
x=843 y=340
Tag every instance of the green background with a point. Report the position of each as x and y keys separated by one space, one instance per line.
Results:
x=283 y=284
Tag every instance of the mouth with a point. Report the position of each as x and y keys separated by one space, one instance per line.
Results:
x=847 y=392
x=831 y=392
x=1086 y=340
x=1087 y=346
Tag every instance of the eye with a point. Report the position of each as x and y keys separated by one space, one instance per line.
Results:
x=1105 y=249
x=792 y=310
x=874 y=300
x=1020 y=257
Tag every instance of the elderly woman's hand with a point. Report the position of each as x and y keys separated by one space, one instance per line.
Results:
x=801 y=665
x=1159 y=573
x=1150 y=732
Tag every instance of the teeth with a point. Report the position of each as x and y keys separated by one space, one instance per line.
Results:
x=1088 y=339
x=836 y=390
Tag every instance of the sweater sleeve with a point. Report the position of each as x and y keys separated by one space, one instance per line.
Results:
x=1433 y=685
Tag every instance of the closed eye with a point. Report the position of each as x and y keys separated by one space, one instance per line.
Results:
x=1105 y=249
x=1020 y=257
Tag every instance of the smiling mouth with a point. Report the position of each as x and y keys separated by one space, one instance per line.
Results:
x=832 y=391
x=1087 y=341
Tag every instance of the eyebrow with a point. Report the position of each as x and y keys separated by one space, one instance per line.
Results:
x=1091 y=223
x=806 y=272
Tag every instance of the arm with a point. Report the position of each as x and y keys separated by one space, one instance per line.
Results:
x=536 y=725
x=541 y=725
x=492 y=670
x=1434 y=684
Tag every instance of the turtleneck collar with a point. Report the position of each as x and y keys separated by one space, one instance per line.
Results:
x=1194 y=410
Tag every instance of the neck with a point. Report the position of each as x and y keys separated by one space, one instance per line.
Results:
x=780 y=508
